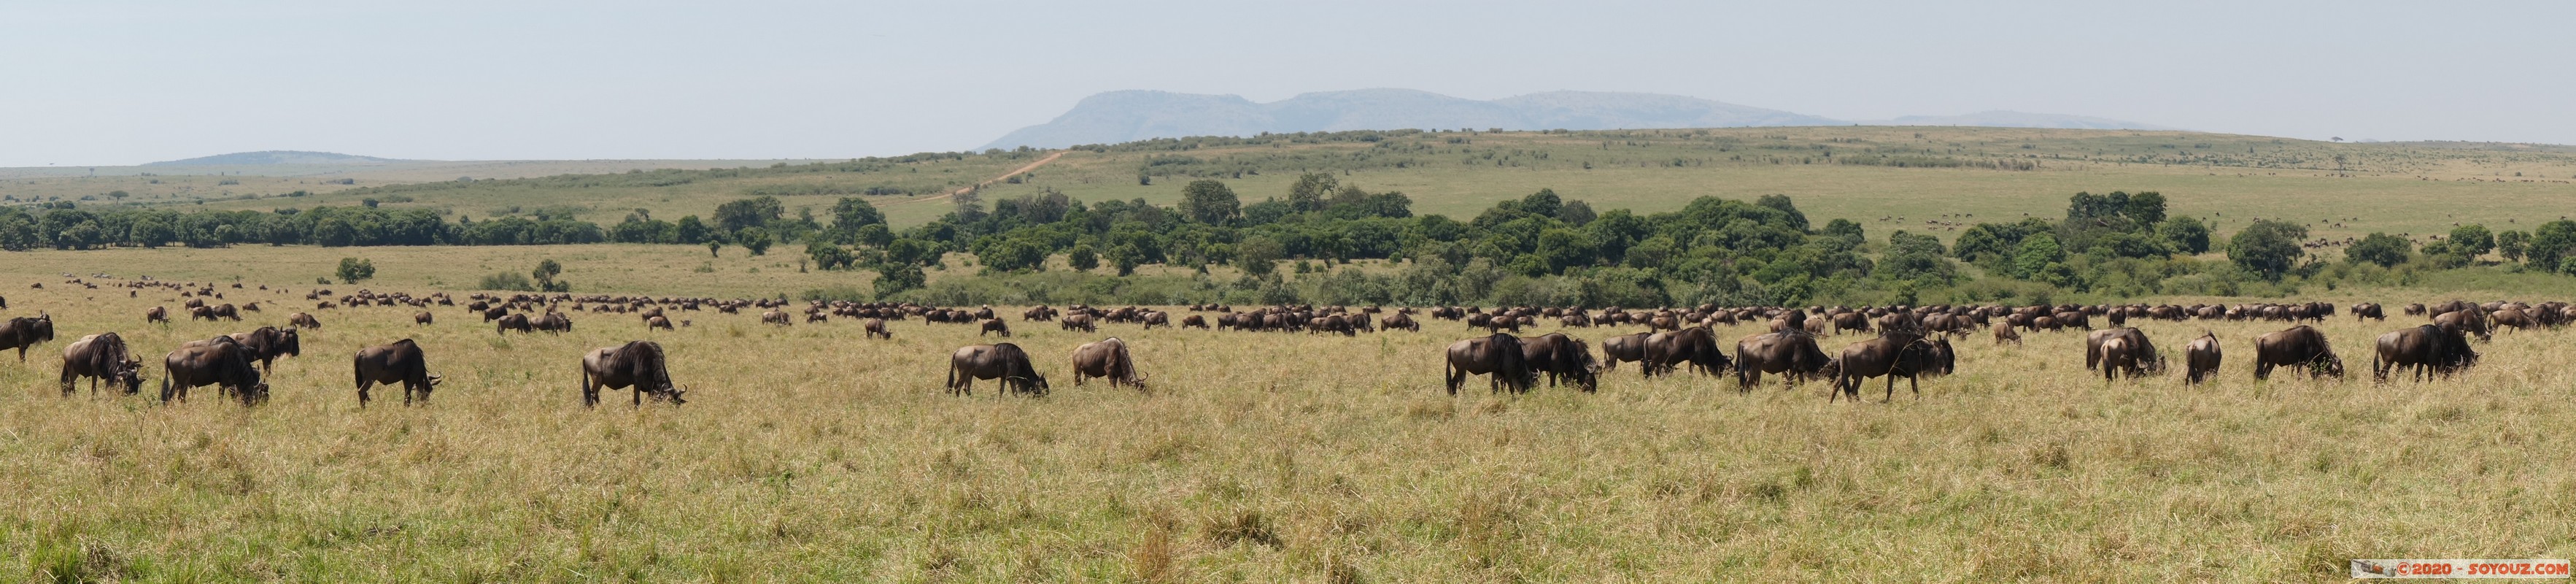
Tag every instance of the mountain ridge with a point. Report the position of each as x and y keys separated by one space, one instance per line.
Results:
x=1136 y=114
x=268 y=157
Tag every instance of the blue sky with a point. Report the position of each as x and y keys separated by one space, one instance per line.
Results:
x=107 y=82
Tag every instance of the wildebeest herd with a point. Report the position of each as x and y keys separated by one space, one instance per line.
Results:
x=1907 y=342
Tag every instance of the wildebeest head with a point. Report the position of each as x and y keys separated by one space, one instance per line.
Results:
x=287 y=343
x=129 y=374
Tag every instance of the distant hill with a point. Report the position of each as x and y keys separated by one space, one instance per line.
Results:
x=2012 y=119
x=275 y=157
x=1126 y=116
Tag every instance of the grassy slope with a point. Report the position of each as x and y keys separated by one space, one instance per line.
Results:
x=2398 y=188
x=810 y=454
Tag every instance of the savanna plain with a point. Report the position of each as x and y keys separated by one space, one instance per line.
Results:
x=809 y=453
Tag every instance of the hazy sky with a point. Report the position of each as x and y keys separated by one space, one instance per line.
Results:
x=104 y=82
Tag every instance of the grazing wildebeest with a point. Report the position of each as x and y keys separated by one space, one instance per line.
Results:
x=2426 y=351
x=1851 y=321
x=514 y=322
x=1399 y=321
x=2004 y=332
x=1562 y=358
x=220 y=362
x=637 y=363
x=1498 y=357
x=1694 y=345
x=2470 y=320
x=226 y=311
x=1194 y=321
x=1157 y=318
x=657 y=322
x=553 y=322
x=201 y=313
x=876 y=327
x=1002 y=361
x=2299 y=346
x=495 y=313
x=267 y=343
x=2362 y=310
x=1106 y=358
x=1075 y=322
x=1628 y=347
x=992 y=325
x=157 y=314
x=101 y=357
x=23 y=332
x=775 y=317
x=302 y=320
x=2117 y=355
x=2513 y=318
x=2202 y=356
x=400 y=362
x=1888 y=356
x=1792 y=353
x=2143 y=351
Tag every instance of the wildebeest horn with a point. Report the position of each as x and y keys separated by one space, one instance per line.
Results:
x=433 y=380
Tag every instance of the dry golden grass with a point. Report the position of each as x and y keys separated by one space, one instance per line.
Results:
x=809 y=454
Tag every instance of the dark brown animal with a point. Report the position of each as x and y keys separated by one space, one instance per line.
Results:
x=1792 y=353
x=2201 y=357
x=1888 y=356
x=157 y=314
x=1694 y=345
x=2300 y=346
x=657 y=322
x=101 y=357
x=1106 y=358
x=1399 y=321
x=421 y=318
x=2004 y=332
x=1628 y=347
x=2469 y=320
x=999 y=361
x=400 y=362
x=993 y=325
x=1563 y=358
x=302 y=320
x=2425 y=352
x=876 y=327
x=1076 y=322
x=775 y=317
x=2143 y=352
x=1194 y=321
x=23 y=332
x=639 y=364
x=1498 y=357
x=269 y=343
x=219 y=362
x=514 y=322
x=553 y=322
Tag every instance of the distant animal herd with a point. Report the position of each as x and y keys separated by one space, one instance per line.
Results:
x=1910 y=342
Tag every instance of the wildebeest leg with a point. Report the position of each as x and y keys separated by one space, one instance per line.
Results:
x=2262 y=371
x=1455 y=378
x=364 y=383
x=69 y=377
x=589 y=389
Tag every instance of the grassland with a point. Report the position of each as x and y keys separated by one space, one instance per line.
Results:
x=1952 y=176
x=809 y=454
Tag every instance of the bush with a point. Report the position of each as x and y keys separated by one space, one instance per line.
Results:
x=2380 y=248
x=354 y=270
x=512 y=281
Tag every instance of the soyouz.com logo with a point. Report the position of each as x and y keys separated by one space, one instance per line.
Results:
x=2438 y=568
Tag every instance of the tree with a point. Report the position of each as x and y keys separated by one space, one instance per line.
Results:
x=2551 y=241
x=2472 y=240
x=894 y=278
x=1576 y=213
x=1543 y=203
x=1308 y=194
x=2268 y=247
x=1258 y=255
x=1126 y=258
x=2513 y=244
x=693 y=230
x=1210 y=202
x=2147 y=208
x=152 y=233
x=545 y=275
x=740 y=214
x=2036 y=254
x=2186 y=234
x=1082 y=258
x=354 y=270
x=2380 y=248
x=850 y=214
x=755 y=239
x=827 y=255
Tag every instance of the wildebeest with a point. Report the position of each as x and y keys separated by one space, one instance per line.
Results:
x=1694 y=345
x=157 y=314
x=303 y=320
x=1895 y=353
x=2143 y=354
x=23 y=332
x=1792 y=353
x=2118 y=355
x=2425 y=351
x=992 y=325
x=1106 y=358
x=1628 y=347
x=775 y=317
x=1074 y=322
x=2362 y=310
x=639 y=364
x=553 y=322
x=101 y=357
x=421 y=318
x=1194 y=321
x=1498 y=357
x=400 y=362
x=1002 y=361
x=2299 y=346
x=1399 y=321
x=2202 y=357
x=1158 y=318
x=876 y=327
x=267 y=343
x=514 y=322
x=1563 y=358
x=657 y=322
x=2469 y=320
x=2004 y=332
x=220 y=362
